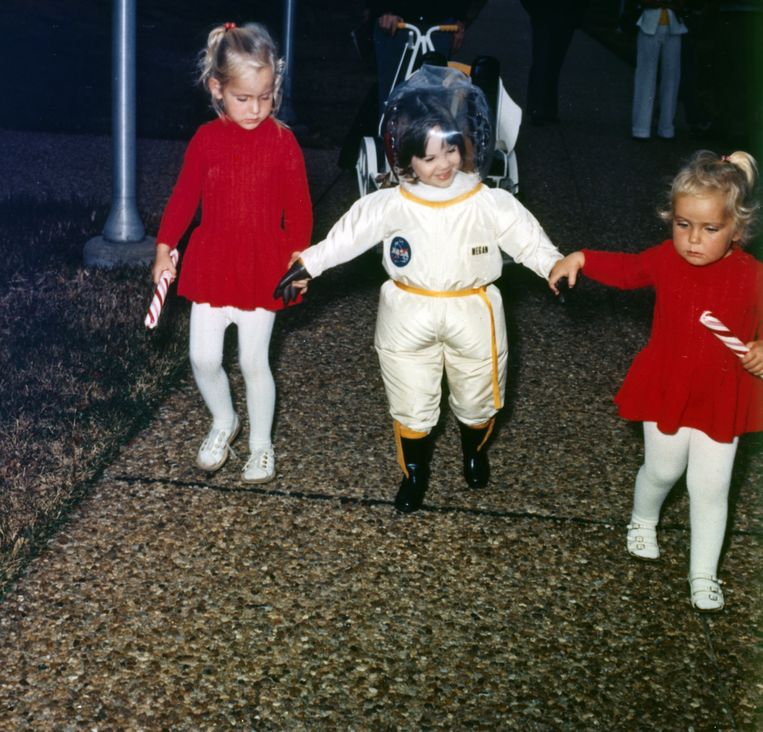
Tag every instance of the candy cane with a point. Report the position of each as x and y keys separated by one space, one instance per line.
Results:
x=723 y=334
x=160 y=294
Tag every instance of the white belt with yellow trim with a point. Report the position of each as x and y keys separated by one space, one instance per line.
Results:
x=482 y=293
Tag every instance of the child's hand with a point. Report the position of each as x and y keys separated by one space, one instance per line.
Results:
x=162 y=261
x=292 y=283
x=567 y=267
x=753 y=359
x=299 y=284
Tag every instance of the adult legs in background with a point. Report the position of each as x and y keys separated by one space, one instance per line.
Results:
x=670 y=81
x=388 y=50
x=551 y=37
x=662 y=51
x=645 y=82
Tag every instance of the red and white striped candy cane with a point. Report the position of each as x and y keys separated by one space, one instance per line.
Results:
x=160 y=294
x=723 y=334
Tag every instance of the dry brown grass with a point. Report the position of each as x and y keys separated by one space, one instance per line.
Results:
x=79 y=373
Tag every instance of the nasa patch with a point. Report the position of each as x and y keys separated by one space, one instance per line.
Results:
x=399 y=251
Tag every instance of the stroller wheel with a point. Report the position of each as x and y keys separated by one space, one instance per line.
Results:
x=372 y=163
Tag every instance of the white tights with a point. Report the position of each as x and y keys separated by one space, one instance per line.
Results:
x=708 y=466
x=208 y=325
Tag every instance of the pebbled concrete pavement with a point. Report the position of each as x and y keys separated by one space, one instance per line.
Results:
x=174 y=600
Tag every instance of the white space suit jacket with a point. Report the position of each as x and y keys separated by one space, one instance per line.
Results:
x=438 y=239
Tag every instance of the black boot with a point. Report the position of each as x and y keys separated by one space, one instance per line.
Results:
x=476 y=465
x=410 y=495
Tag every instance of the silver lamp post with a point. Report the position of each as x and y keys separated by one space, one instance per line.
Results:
x=124 y=240
x=287 y=106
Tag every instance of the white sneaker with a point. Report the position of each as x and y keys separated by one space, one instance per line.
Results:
x=261 y=466
x=215 y=449
x=642 y=541
x=706 y=593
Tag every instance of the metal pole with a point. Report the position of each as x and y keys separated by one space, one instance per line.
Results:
x=287 y=107
x=124 y=222
x=124 y=238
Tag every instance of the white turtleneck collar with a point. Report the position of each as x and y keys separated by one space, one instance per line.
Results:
x=462 y=183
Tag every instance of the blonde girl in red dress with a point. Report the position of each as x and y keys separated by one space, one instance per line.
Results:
x=694 y=396
x=246 y=171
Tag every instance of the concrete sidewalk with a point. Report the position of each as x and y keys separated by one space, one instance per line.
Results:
x=177 y=601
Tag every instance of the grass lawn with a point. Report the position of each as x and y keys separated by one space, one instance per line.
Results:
x=79 y=371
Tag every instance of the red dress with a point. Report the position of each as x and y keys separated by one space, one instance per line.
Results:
x=255 y=211
x=685 y=376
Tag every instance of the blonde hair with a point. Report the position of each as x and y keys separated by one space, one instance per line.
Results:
x=733 y=176
x=232 y=52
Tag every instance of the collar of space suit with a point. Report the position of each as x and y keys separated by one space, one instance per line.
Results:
x=463 y=186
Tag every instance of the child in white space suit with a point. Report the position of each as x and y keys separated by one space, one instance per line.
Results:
x=443 y=232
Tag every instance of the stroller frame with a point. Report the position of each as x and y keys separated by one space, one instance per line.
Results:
x=372 y=167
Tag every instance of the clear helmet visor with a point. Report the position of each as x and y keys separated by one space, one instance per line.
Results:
x=441 y=101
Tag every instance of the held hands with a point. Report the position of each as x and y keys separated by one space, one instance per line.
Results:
x=753 y=359
x=567 y=267
x=162 y=262
x=293 y=282
x=299 y=284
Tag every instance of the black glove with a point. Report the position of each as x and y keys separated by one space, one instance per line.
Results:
x=285 y=289
x=564 y=290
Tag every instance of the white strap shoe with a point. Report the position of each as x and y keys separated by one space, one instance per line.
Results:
x=706 y=593
x=642 y=541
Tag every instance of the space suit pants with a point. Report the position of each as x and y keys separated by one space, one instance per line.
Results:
x=421 y=333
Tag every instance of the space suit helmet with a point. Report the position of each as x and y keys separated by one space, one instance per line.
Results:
x=444 y=99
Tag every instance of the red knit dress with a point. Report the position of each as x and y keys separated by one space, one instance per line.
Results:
x=685 y=376
x=255 y=211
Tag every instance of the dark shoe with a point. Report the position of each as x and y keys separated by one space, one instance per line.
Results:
x=476 y=465
x=414 y=485
x=410 y=495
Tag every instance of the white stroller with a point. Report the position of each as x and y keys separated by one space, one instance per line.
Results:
x=372 y=166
